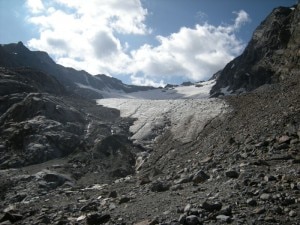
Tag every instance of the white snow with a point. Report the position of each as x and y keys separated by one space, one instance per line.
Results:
x=106 y=93
x=87 y=79
x=225 y=90
x=183 y=110
x=181 y=92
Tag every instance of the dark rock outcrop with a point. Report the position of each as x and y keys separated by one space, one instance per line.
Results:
x=271 y=55
x=41 y=121
x=79 y=82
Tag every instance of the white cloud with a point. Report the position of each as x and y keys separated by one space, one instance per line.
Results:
x=36 y=6
x=242 y=18
x=195 y=53
x=83 y=35
x=144 y=81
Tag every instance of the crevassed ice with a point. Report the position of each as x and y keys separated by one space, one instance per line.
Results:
x=183 y=110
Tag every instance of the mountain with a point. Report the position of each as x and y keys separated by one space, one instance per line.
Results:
x=229 y=160
x=79 y=82
x=271 y=55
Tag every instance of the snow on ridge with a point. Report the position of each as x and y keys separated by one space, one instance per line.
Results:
x=106 y=93
x=198 y=91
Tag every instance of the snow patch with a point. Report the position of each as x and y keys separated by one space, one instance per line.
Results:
x=225 y=90
x=106 y=92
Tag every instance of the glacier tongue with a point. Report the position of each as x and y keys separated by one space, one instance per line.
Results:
x=185 y=116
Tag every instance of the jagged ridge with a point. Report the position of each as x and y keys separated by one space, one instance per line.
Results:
x=79 y=82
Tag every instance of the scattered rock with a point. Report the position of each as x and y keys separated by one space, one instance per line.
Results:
x=226 y=210
x=92 y=206
x=223 y=218
x=124 y=199
x=176 y=187
x=182 y=219
x=270 y=219
x=251 y=202
x=144 y=222
x=284 y=139
x=259 y=210
x=270 y=178
x=12 y=217
x=97 y=218
x=265 y=196
x=192 y=220
x=232 y=174
x=54 y=178
x=183 y=180
x=113 y=194
x=160 y=186
x=145 y=180
x=200 y=177
x=187 y=208
x=154 y=221
x=292 y=213
x=212 y=206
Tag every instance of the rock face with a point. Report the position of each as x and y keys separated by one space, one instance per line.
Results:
x=271 y=55
x=79 y=82
x=41 y=121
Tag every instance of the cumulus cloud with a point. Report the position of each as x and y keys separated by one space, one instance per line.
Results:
x=36 y=6
x=242 y=18
x=144 y=81
x=84 y=35
x=105 y=44
x=194 y=53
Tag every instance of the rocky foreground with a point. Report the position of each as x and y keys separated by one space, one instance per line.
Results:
x=242 y=169
x=66 y=160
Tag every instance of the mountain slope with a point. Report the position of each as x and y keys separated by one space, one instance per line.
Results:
x=271 y=55
x=79 y=82
x=41 y=121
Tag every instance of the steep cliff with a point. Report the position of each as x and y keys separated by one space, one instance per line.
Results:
x=271 y=55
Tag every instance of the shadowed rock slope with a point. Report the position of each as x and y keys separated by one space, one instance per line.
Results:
x=40 y=121
x=271 y=55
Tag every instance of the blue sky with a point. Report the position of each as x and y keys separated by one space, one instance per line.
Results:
x=144 y=42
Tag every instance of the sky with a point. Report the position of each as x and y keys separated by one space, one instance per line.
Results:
x=141 y=42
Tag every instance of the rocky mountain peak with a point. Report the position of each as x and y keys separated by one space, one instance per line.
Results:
x=79 y=82
x=271 y=54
